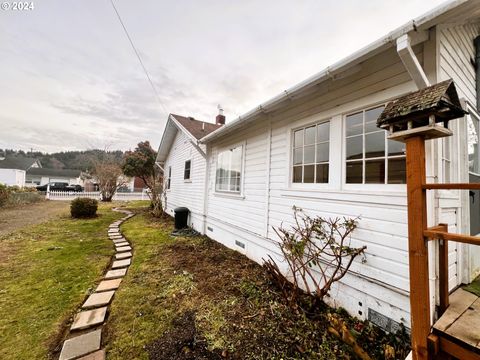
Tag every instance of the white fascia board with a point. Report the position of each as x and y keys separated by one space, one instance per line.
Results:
x=166 y=137
x=343 y=65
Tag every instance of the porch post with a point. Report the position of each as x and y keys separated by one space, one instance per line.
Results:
x=417 y=247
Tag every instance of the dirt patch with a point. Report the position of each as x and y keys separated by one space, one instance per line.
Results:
x=19 y=217
x=181 y=343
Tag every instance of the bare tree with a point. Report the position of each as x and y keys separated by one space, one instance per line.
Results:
x=108 y=174
x=317 y=253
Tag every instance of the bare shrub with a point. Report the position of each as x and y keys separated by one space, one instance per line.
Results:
x=317 y=254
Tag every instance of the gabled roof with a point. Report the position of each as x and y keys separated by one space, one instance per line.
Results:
x=197 y=128
x=192 y=128
x=18 y=162
x=450 y=12
x=68 y=173
x=440 y=100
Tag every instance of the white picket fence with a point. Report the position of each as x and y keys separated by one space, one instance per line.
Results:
x=119 y=196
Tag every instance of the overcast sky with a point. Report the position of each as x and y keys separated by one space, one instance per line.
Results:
x=70 y=79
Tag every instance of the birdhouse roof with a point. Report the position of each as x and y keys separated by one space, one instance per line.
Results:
x=440 y=100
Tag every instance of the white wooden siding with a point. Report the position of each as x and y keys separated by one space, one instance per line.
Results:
x=456 y=50
x=188 y=193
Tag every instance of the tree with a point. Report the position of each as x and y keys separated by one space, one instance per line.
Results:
x=141 y=163
x=109 y=177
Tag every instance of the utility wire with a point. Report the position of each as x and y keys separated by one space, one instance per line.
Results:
x=139 y=59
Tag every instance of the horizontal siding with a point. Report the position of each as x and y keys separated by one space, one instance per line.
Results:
x=183 y=193
x=247 y=211
x=456 y=50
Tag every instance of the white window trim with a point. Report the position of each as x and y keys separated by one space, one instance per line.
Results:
x=189 y=180
x=224 y=193
x=169 y=178
x=306 y=122
x=363 y=187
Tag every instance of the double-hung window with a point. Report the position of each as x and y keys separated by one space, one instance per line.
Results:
x=311 y=153
x=229 y=170
x=186 y=172
x=370 y=157
x=169 y=179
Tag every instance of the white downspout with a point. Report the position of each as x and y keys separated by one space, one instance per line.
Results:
x=206 y=188
x=410 y=61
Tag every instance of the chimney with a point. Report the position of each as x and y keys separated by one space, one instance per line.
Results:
x=220 y=119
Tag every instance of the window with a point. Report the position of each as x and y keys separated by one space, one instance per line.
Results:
x=169 y=179
x=186 y=173
x=311 y=153
x=370 y=157
x=229 y=170
x=473 y=133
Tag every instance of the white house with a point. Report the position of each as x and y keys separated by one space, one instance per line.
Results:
x=42 y=176
x=183 y=160
x=13 y=169
x=316 y=146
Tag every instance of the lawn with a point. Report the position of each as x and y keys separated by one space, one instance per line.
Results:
x=46 y=271
x=192 y=298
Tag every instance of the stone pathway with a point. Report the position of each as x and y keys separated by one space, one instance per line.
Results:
x=85 y=336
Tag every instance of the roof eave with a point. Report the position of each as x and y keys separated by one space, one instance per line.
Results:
x=366 y=52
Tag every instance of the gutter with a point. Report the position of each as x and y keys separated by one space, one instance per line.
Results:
x=334 y=70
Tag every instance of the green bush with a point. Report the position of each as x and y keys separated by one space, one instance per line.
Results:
x=4 y=194
x=83 y=208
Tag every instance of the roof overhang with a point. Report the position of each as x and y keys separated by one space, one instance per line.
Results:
x=171 y=129
x=417 y=29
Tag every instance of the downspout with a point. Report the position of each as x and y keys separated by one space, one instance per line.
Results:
x=206 y=188
x=476 y=42
x=411 y=63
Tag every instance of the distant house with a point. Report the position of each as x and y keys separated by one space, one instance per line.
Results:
x=42 y=176
x=13 y=169
x=183 y=161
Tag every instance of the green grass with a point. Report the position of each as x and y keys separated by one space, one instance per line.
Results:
x=46 y=271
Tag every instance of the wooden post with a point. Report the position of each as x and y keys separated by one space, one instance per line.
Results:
x=417 y=247
x=443 y=271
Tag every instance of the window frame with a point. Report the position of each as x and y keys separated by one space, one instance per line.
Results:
x=474 y=116
x=364 y=185
x=169 y=177
x=189 y=179
x=231 y=193
x=292 y=149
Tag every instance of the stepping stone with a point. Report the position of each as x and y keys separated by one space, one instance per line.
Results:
x=124 y=248
x=97 y=355
x=124 y=255
x=81 y=345
x=108 y=285
x=121 y=263
x=113 y=274
x=86 y=319
x=121 y=244
x=116 y=241
x=116 y=237
x=99 y=299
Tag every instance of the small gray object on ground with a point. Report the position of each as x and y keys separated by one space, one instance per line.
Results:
x=121 y=263
x=106 y=285
x=81 y=345
x=99 y=299
x=113 y=274
x=86 y=319
x=97 y=355
x=124 y=248
x=124 y=255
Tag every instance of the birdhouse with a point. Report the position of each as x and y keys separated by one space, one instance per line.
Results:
x=425 y=112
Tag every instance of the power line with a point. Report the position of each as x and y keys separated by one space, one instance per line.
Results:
x=139 y=59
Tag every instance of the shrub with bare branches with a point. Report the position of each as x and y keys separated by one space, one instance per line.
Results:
x=317 y=253
x=109 y=176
